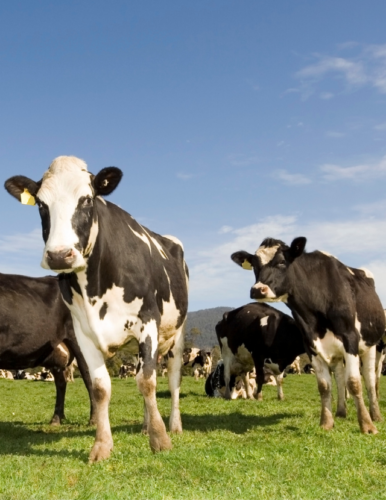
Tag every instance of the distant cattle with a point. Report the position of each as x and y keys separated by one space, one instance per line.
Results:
x=6 y=374
x=338 y=311
x=127 y=370
x=36 y=330
x=121 y=282
x=254 y=336
x=200 y=360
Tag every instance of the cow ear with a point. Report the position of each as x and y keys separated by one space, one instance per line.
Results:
x=22 y=188
x=107 y=180
x=243 y=259
x=297 y=247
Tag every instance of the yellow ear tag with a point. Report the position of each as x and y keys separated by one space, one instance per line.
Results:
x=26 y=198
x=246 y=265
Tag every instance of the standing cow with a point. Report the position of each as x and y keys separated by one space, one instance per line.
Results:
x=36 y=330
x=120 y=281
x=337 y=310
x=255 y=335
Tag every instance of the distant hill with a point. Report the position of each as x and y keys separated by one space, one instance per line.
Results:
x=200 y=326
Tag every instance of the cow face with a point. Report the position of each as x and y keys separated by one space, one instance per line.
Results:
x=67 y=201
x=270 y=264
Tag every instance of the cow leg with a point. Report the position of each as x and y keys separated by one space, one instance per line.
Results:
x=279 y=382
x=259 y=380
x=146 y=381
x=101 y=388
x=247 y=385
x=323 y=377
x=60 y=385
x=354 y=385
x=227 y=359
x=379 y=358
x=174 y=373
x=370 y=377
x=82 y=365
x=341 y=410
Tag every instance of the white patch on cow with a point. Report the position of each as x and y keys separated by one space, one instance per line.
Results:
x=368 y=273
x=92 y=238
x=264 y=321
x=266 y=254
x=350 y=271
x=159 y=248
x=329 y=348
x=174 y=239
x=358 y=324
x=63 y=184
x=142 y=237
x=119 y=324
x=102 y=200
x=167 y=329
x=328 y=254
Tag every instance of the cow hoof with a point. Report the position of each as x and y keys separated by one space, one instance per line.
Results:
x=55 y=420
x=145 y=429
x=341 y=413
x=100 y=451
x=160 y=443
x=259 y=397
x=376 y=417
x=92 y=421
x=369 y=429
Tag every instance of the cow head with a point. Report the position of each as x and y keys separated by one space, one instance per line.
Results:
x=270 y=264
x=67 y=200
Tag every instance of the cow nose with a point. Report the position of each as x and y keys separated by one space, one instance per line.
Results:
x=60 y=260
x=259 y=293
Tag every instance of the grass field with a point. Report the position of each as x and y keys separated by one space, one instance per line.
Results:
x=229 y=449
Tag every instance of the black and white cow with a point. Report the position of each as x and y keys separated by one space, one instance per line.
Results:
x=200 y=360
x=36 y=330
x=257 y=335
x=336 y=308
x=120 y=280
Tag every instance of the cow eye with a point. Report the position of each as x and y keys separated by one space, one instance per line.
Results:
x=87 y=202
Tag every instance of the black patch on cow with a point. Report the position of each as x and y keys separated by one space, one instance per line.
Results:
x=103 y=310
x=170 y=354
x=149 y=363
x=16 y=185
x=67 y=283
x=45 y=219
x=82 y=221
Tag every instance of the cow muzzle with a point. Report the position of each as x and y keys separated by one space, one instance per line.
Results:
x=60 y=260
x=261 y=292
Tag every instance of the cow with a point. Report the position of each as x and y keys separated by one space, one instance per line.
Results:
x=338 y=311
x=200 y=360
x=254 y=336
x=127 y=370
x=36 y=330
x=120 y=280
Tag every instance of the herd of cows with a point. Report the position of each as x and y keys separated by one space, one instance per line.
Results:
x=117 y=280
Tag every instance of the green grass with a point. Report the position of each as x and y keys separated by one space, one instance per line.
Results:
x=229 y=449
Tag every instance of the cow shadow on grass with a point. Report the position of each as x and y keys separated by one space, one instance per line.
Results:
x=20 y=439
x=232 y=422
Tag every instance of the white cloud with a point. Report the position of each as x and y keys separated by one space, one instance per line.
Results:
x=225 y=229
x=183 y=176
x=243 y=161
x=215 y=279
x=360 y=172
x=381 y=127
x=291 y=179
x=366 y=68
x=22 y=243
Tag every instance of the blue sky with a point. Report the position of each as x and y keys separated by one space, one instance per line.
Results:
x=232 y=121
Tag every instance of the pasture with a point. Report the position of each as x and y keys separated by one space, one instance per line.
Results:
x=229 y=449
